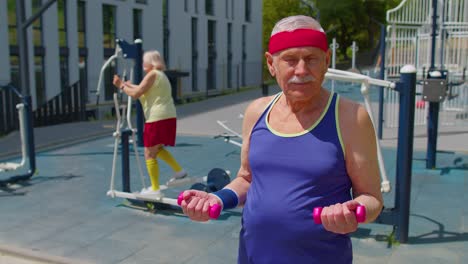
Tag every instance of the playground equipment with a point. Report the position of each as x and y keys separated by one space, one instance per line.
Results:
x=22 y=24
x=26 y=136
x=398 y=216
x=9 y=166
x=333 y=46
x=431 y=35
x=354 y=49
x=216 y=178
x=229 y=135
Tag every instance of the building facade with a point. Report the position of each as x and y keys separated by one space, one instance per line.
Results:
x=218 y=42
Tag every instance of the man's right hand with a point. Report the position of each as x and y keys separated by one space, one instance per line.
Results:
x=196 y=204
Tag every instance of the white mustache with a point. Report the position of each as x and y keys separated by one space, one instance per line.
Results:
x=296 y=79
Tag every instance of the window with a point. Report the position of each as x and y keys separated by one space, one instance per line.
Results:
x=37 y=24
x=14 y=67
x=227 y=8
x=64 y=71
x=137 y=23
x=244 y=53
x=229 y=55
x=62 y=22
x=83 y=74
x=185 y=6
x=81 y=24
x=12 y=34
x=166 y=31
x=232 y=9
x=248 y=6
x=39 y=77
x=209 y=7
x=38 y=55
x=108 y=26
x=83 y=55
x=194 y=54
x=196 y=6
x=62 y=28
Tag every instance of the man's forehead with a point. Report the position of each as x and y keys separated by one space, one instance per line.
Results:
x=301 y=51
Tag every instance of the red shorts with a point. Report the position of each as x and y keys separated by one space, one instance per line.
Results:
x=160 y=132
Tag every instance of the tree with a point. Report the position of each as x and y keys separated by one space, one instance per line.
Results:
x=345 y=20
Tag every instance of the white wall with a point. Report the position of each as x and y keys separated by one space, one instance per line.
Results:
x=50 y=41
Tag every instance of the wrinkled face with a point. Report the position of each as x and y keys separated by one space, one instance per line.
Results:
x=299 y=71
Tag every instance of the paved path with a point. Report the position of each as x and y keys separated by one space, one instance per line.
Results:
x=63 y=213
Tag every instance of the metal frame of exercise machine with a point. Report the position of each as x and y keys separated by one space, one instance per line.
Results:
x=123 y=133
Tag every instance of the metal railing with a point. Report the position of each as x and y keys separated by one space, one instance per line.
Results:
x=68 y=106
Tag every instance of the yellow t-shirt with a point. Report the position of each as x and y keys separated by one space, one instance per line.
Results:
x=157 y=102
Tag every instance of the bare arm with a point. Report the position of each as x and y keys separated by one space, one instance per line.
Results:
x=362 y=167
x=196 y=204
x=133 y=90
x=361 y=157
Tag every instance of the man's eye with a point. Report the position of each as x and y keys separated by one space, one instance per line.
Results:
x=313 y=61
x=290 y=60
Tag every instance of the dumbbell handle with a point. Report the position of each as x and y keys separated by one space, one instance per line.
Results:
x=360 y=214
x=214 y=210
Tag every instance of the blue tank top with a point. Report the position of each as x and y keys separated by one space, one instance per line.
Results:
x=292 y=174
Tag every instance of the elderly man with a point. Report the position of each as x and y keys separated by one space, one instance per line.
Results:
x=302 y=148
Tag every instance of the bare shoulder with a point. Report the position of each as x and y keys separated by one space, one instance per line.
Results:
x=258 y=105
x=353 y=115
x=152 y=74
x=356 y=127
x=254 y=110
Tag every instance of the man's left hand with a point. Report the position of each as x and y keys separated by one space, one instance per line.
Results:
x=340 y=218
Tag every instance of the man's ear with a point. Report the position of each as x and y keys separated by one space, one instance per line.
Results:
x=328 y=57
x=327 y=61
x=269 y=61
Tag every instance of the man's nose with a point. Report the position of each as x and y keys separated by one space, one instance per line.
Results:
x=301 y=68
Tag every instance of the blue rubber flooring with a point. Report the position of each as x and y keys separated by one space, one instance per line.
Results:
x=63 y=210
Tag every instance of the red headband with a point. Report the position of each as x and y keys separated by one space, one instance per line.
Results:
x=298 y=38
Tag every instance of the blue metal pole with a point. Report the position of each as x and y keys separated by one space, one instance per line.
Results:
x=383 y=35
x=432 y=132
x=433 y=115
x=140 y=120
x=30 y=134
x=407 y=90
x=125 y=135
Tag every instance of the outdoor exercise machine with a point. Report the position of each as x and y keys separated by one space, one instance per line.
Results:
x=398 y=216
x=130 y=55
x=431 y=34
x=24 y=108
x=28 y=153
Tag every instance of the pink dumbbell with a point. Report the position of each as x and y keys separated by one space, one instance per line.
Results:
x=360 y=214
x=215 y=210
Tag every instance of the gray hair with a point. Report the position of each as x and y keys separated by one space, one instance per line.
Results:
x=154 y=58
x=295 y=22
